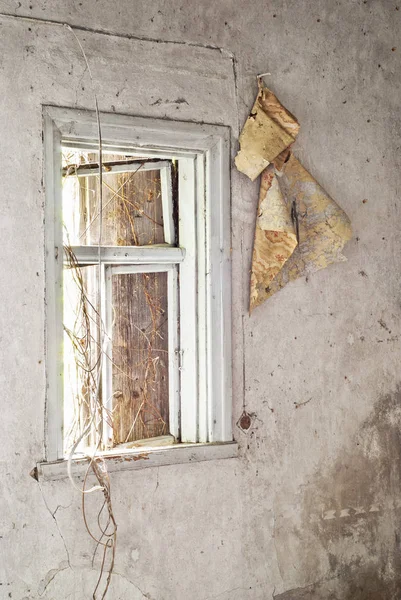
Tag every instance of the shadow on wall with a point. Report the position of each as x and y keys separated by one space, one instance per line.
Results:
x=358 y=528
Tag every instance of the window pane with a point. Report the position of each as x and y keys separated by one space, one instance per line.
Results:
x=140 y=356
x=132 y=203
x=137 y=405
x=81 y=354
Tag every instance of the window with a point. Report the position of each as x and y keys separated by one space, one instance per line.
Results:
x=138 y=302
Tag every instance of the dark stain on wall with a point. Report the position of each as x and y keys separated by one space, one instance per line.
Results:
x=362 y=585
x=352 y=513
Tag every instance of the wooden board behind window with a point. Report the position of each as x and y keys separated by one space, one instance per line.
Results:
x=140 y=356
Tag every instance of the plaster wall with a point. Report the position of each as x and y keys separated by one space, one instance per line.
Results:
x=311 y=507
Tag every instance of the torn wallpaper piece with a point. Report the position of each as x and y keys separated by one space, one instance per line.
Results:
x=299 y=228
x=269 y=130
x=275 y=236
x=323 y=228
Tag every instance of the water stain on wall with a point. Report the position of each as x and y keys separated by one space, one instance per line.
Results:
x=361 y=586
x=352 y=510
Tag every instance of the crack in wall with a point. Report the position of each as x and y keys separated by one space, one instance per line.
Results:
x=287 y=594
x=52 y=574
x=236 y=90
x=279 y=567
x=53 y=515
x=144 y=594
x=229 y=591
x=59 y=506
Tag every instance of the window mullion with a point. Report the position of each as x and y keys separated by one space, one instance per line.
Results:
x=188 y=302
x=204 y=274
x=219 y=292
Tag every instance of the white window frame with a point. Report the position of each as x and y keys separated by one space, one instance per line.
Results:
x=202 y=412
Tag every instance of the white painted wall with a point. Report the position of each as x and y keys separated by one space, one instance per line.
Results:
x=311 y=507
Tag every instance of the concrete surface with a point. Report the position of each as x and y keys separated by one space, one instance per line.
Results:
x=311 y=509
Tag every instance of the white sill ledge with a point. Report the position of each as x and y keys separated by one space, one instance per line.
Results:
x=141 y=458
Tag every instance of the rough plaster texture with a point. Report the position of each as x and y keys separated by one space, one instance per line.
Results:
x=311 y=507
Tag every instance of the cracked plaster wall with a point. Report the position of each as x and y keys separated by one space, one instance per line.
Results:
x=311 y=508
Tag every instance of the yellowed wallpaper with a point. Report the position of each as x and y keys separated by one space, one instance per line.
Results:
x=299 y=228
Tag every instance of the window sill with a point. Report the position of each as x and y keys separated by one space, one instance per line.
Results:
x=141 y=458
